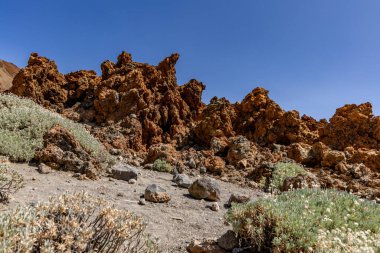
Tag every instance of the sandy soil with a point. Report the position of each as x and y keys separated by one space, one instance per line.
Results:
x=175 y=224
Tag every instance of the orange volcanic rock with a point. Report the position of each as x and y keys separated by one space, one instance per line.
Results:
x=7 y=73
x=149 y=94
x=138 y=107
x=62 y=151
x=263 y=121
x=42 y=82
x=352 y=125
x=217 y=120
x=131 y=95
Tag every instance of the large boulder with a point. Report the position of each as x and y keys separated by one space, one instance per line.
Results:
x=205 y=188
x=156 y=194
x=124 y=172
x=62 y=151
x=182 y=180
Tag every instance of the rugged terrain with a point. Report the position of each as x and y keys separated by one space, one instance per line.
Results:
x=140 y=111
x=174 y=224
x=136 y=138
x=7 y=73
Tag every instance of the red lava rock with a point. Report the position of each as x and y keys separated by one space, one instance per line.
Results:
x=139 y=107
x=62 y=151
x=352 y=125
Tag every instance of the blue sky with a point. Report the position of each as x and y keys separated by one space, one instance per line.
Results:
x=313 y=56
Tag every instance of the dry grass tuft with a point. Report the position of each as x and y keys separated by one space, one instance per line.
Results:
x=10 y=182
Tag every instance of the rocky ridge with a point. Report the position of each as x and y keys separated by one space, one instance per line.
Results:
x=7 y=72
x=138 y=108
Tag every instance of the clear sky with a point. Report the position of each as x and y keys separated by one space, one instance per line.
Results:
x=313 y=56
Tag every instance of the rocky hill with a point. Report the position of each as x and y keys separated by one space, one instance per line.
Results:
x=138 y=108
x=7 y=73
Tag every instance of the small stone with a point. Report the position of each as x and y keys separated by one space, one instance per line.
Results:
x=132 y=181
x=120 y=194
x=43 y=169
x=182 y=180
x=115 y=152
x=205 y=246
x=192 y=163
x=205 y=188
x=215 y=207
x=237 y=198
x=228 y=240
x=237 y=250
x=134 y=163
x=77 y=174
x=202 y=170
x=148 y=166
x=120 y=158
x=124 y=172
x=142 y=202
x=156 y=194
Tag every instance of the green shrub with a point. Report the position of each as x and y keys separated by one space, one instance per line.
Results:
x=280 y=172
x=23 y=124
x=73 y=223
x=162 y=166
x=10 y=182
x=308 y=221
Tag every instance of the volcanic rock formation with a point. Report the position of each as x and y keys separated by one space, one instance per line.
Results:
x=7 y=73
x=136 y=106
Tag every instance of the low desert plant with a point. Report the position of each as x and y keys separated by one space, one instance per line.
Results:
x=280 y=172
x=10 y=182
x=23 y=124
x=308 y=220
x=73 y=223
x=162 y=166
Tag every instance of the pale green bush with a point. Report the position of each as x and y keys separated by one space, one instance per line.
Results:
x=307 y=220
x=280 y=172
x=73 y=223
x=23 y=124
x=162 y=166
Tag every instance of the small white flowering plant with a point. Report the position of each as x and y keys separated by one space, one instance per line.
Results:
x=308 y=220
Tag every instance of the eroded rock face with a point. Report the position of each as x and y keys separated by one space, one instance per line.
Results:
x=62 y=151
x=136 y=107
x=42 y=82
x=263 y=121
x=353 y=125
x=144 y=99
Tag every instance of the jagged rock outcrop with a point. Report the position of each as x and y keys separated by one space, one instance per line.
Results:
x=139 y=107
x=130 y=95
x=7 y=73
x=263 y=121
x=352 y=125
x=217 y=120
